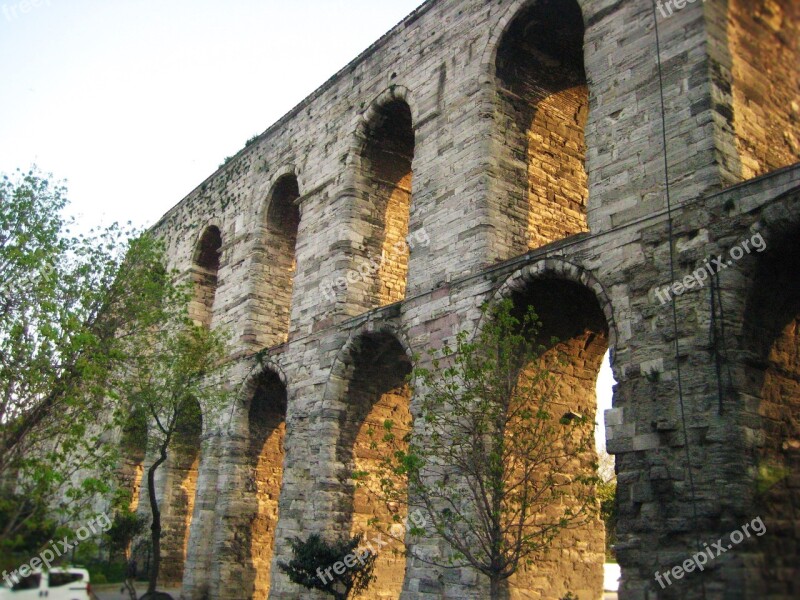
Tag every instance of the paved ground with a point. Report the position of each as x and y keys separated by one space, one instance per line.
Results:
x=105 y=592
x=112 y=592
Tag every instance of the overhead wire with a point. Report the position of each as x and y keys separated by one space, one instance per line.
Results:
x=671 y=236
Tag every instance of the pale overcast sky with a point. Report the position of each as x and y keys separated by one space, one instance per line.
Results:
x=135 y=103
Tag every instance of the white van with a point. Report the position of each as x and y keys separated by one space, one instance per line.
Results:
x=56 y=584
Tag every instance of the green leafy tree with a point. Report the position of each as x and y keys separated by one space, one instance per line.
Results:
x=125 y=527
x=28 y=538
x=312 y=561
x=491 y=458
x=606 y=494
x=64 y=299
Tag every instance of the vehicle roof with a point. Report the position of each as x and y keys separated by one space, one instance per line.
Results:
x=60 y=570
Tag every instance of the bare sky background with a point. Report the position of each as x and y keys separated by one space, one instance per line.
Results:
x=135 y=103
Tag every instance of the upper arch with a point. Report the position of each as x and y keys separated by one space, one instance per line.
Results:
x=498 y=31
x=557 y=268
x=247 y=388
x=372 y=114
x=342 y=365
x=210 y=228
x=268 y=190
x=780 y=217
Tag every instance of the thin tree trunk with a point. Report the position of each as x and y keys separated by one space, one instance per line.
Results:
x=130 y=578
x=495 y=589
x=498 y=589
x=130 y=585
x=155 y=528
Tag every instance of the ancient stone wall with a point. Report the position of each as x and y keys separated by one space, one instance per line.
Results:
x=543 y=104
x=275 y=264
x=267 y=428
x=377 y=392
x=469 y=122
x=574 y=336
x=180 y=491
x=764 y=41
x=754 y=50
x=772 y=386
x=204 y=275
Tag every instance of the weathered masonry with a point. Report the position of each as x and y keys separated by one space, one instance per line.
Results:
x=518 y=146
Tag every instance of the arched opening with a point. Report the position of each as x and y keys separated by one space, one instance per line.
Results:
x=764 y=49
x=204 y=276
x=773 y=380
x=543 y=106
x=387 y=177
x=574 y=336
x=276 y=263
x=267 y=428
x=607 y=490
x=177 y=505
x=133 y=449
x=377 y=391
x=129 y=475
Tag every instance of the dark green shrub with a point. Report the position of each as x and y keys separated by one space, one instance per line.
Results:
x=314 y=559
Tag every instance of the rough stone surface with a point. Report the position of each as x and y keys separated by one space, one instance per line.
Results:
x=523 y=141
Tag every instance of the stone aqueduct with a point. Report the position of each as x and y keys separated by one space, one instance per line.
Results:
x=519 y=142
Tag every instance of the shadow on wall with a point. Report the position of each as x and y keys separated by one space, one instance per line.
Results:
x=544 y=105
x=274 y=266
x=575 y=339
x=267 y=430
x=377 y=391
x=387 y=180
x=764 y=42
x=772 y=323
